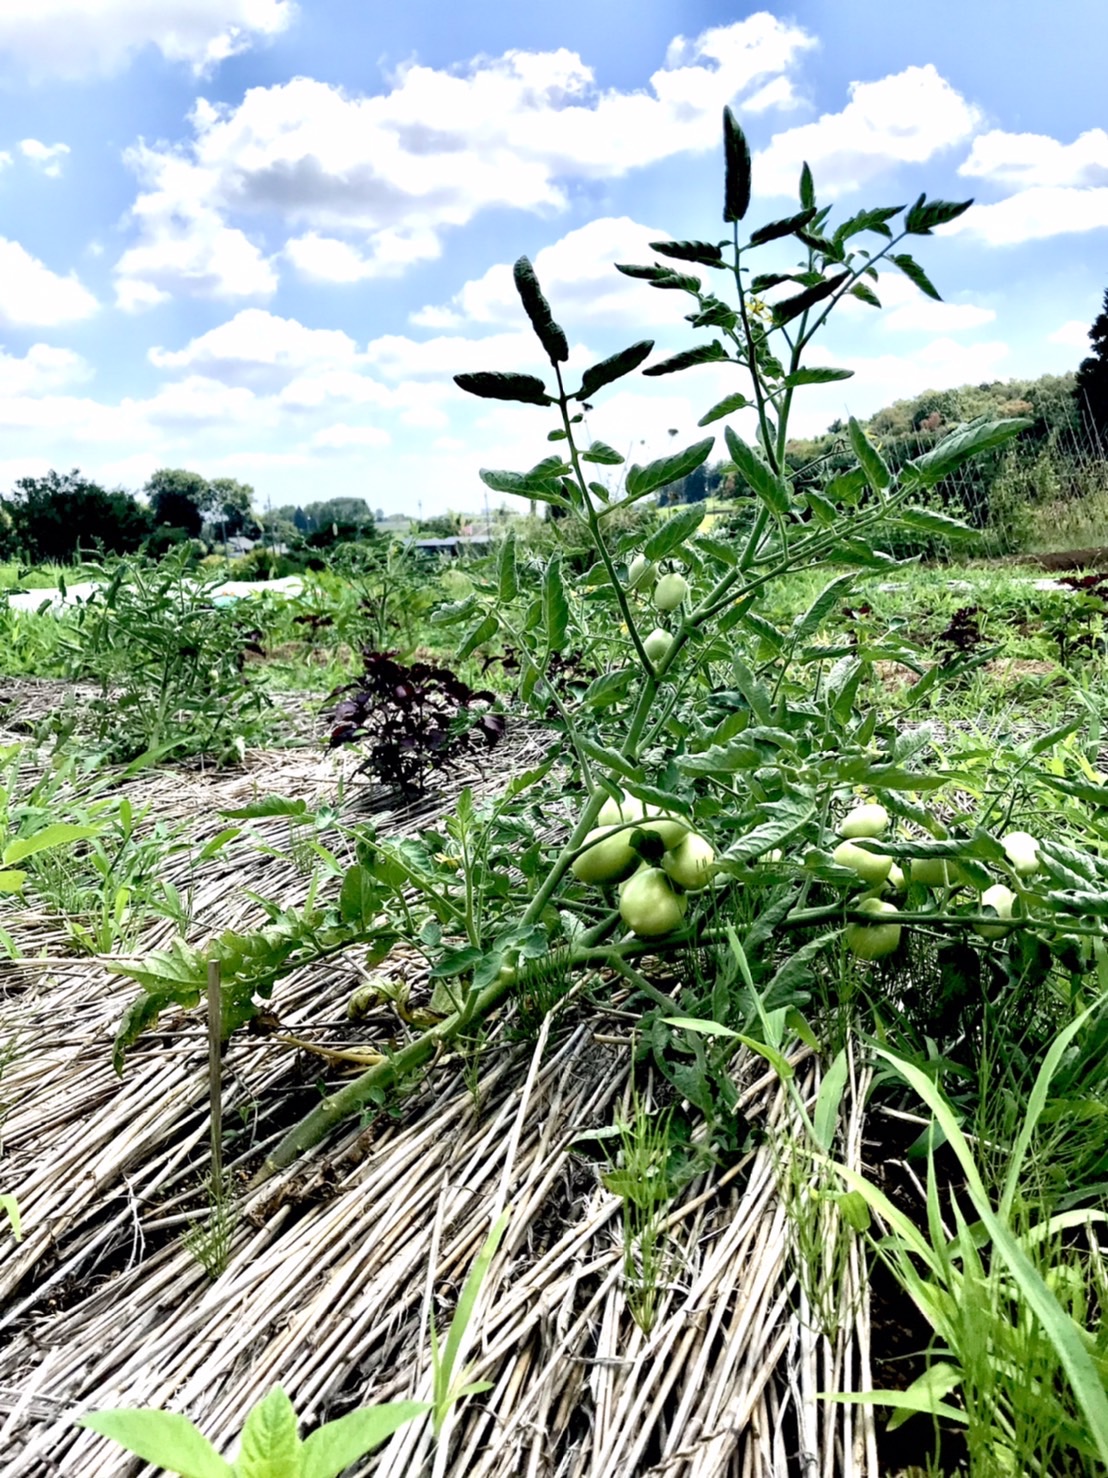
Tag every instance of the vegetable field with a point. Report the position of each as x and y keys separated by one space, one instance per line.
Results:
x=631 y=1003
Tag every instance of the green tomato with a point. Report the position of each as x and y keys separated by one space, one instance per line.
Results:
x=872 y=941
x=627 y=808
x=1023 y=852
x=871 y=867
x=864 y=821
x=691 y=864
x=670 y=591
x=896 y=879
x=649 y=906
x=657 y=645
x=610 y=858
x=935 y=872
x=640 y=572
x=1002 y=899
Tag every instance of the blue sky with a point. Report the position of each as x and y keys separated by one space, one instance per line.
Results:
x=257 y=238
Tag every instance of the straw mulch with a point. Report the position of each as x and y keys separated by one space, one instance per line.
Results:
x=336 y=1267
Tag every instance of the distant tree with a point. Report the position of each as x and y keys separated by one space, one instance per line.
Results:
x=338 y=510
x=178 y=498
x=300 y=520
x=57 y=516
x=230 y=508
x=1090 y=387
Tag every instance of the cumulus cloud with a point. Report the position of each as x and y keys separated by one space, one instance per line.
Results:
x=343 y=437
x=44 y=367
x=906 y=118
x=80 y=38
x=907 y=310
x=1027 y=159
x=48 y=157
x=373 y=181
x=1034 y=215
x=1073 y=334
x=32 y=295
x=256 y=347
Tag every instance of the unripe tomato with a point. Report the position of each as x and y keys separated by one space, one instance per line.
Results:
x=935 y=872
x=864 y=821
x=1023 y=852
x=657 y=644
x=649 y=906
x=641 y=572
x=670 y=591
x=610 y=858
x=627 y=808
x=872 y=941
x=871 y=867
x=1002 y=899
x=896 y=879
x=691 y=864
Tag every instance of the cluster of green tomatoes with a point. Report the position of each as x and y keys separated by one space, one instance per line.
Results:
x=669 y=591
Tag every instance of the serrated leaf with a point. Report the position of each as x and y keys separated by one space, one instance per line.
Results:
x=707 y=253
x=549 y=333
x=824 y=513
x=494 y=385
x=448 y=614
x=555 y=607
x=522 y=485
x=611 y=759
x=644 y=272
x=785 y=227
x=930 y=521
x=926 y=214
x=613 y=368
x=915 y=273
x=609 y=687
x=815 y=375
x=712 y=353
x=869 y=458
x=845 y=487
x=602 y=453
x=165 y=1438
x=788 y=817
x=736 y=169
x=964 y=442
x=338 y=1445
x=758 y=475
x=725 y=407
x=813 y=618
x=865 y=294
x=507 y=575
x=674 y=531
x=765 y=280
x=477 y=636
x=269 y=805
x=790 y=308
x=663 y=471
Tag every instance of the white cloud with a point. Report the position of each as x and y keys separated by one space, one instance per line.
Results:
x=256 y=346
x=1034 y=215
x=343 y=437
x=48 y=157
x=1073 y=334
x=907 y=310
x=1026 y=159
x=44 y=367
x=198 y=401
x=31 y=294
x=906 y=118
x=79 y=38
x=375 y=180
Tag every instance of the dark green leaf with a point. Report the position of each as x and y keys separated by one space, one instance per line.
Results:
x=816 y=375
x=930 y=521
x=962 y=443
x=269 y=805
x=788 y=817
x=492 y=385
x=915 y=273
x=711 y=353
x=613 y=368
x=766 y=280
x=659 y=474
x=784 y=312
x=869 y=458
x=674 y=531
x=611 y=758
x=824 y=513
x=926 y=214
x=736 y=164
x=507 y=576
x=645 y=273
x=724 y=407
x=846 y=487
x=704 y=252
x=477 y=636
x=551 y=337
x=609 y=687
x=523 y=485
x=813 y=618
x=451 y=613
x=601 y=452
x=865 y=294
x=757 y=474
x=867 y=220
x=807 y=188
x=555 y=607
x=785 y=227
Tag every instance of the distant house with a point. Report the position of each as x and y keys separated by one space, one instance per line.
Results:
x=453 y=546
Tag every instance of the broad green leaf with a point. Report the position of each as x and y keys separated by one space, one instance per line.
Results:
x=674 y=531
x=966 y=441
x=270 y=1445
x=164 y=1438
x=507 y=576
x=790 y=308
x=610 y=687
x=601 y=452
x=712 y=353
x=707 y=253
x=12 y=880
x=927 y=214
x=549 y=333
x=869 y=458
x=613 y=368
x=653 y=274
x=816 y=375
x=931 y=521
x=915 y=273
x=338 y=1445
x=865 y=294
x=758 y=474
x=825 y=1117
x=724 y=407
x=477 y=636
x=816 y=614
x=659 y=474
x=493 y=385
x=867 y=220
x=696 y=1024
x=789 y=817
x=611 y=758
x=522 y=485
x=736 y=166
x=555 y=607
x=450 y=614
x=360 y=895
x=58 y=834
x=807 y=188
x=776 y=229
